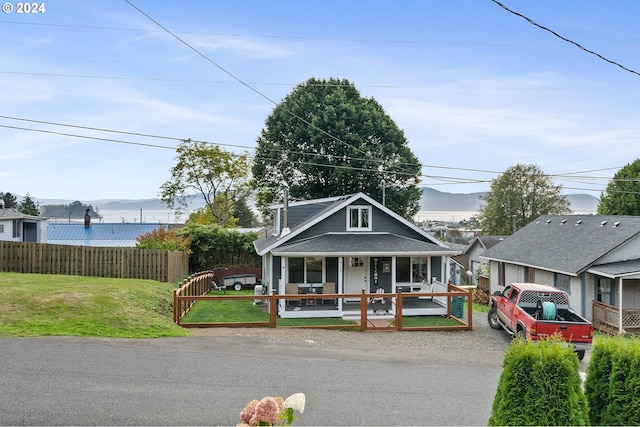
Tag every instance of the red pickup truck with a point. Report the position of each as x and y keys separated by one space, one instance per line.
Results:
x=536 y=311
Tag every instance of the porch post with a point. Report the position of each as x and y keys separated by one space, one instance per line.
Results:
x=340 y=281
x=620 y=328
x=283 y=279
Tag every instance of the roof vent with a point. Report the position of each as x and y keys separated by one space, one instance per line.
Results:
x=548 y=221
x=603 y=223
x=578 y=222
x=563 y=221
x=615 y=224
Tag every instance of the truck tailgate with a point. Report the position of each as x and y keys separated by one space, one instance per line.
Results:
x=576 y=332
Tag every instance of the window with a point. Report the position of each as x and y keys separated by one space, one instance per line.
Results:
x=356 y=262
x=403 y=269
x=1 y=228
x=604 y=293
x=305 y=270
x=562 y=282
x=514 y=296
x=314 y=270
x=296 y=270
x=359 y=218
x=16 y=227
x=419 y=269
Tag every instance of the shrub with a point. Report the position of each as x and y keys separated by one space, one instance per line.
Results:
x=539 y=385
x=596 y=386
x=163 y=239
x=623 y=400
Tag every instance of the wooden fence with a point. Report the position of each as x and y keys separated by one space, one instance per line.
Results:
x=197 y=286
x=124 y=263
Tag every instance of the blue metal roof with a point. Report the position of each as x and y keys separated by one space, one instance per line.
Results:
x=105 y=235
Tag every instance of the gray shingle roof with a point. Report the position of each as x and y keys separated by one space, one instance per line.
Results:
x=617 y=269
x=350 y=244
x=567 y=244
x=11 y=213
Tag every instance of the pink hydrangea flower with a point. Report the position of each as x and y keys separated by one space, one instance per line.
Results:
x=248 y=411
x=267 y=410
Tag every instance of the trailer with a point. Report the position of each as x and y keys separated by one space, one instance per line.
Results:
x=238 y=281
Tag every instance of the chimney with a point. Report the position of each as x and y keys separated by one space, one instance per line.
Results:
x=1 y=203
x=87 y=218
x=285 y=212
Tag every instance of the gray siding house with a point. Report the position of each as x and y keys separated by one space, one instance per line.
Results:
x=475 y=264
x=595 y=259
x=353 y=243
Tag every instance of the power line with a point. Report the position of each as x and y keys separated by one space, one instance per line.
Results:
x=242 y=82
x=532 y=22
x=446 y=180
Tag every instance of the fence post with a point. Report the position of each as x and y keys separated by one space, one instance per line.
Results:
x=175 y=307
x=399 y=310
x=470 y=309
x=363 y=311
x=273 y=310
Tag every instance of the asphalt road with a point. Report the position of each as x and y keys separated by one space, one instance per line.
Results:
x=207 y=380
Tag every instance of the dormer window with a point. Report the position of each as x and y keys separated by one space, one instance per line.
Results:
x=359 y=218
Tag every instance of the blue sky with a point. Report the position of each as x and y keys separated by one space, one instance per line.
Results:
x=475 y=88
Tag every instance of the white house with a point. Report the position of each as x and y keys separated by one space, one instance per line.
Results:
x=18 y=227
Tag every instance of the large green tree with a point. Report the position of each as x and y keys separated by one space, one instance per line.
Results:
x=324 y=139
x=622 y=196
x=219 y=176
x=518 y=196
x=10 y=201
x=28 y=206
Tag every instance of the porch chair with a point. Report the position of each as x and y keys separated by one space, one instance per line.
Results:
x=291 y=288
x=426 y=287
x=378 y=303
x=328 y=288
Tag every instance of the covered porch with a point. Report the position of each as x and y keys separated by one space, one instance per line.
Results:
x=616 y=307
x=432 y=300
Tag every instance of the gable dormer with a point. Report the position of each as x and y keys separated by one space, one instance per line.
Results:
x=359 y=217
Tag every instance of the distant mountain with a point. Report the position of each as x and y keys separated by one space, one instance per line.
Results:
x=434 y=200
x=110 y=204
x=431 y=200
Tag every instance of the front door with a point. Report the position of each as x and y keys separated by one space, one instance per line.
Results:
x=356 y=276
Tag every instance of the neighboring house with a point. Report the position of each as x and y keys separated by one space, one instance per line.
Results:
x=596 y=259
x=102 y=234
x=18 y=227
x=354 y=243
x=478 y=246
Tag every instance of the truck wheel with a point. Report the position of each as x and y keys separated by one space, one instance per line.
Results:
x=520 y=335
x=492 y=317
x=237 y=286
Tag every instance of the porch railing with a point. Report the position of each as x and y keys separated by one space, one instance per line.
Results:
x=606 y=318
x=183 y=300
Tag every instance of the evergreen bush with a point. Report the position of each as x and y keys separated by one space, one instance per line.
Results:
x=596 y=386
x=540 y=385
x=623 y=403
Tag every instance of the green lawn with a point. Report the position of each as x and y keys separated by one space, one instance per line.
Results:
x=43 y=304
x=227 y=311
